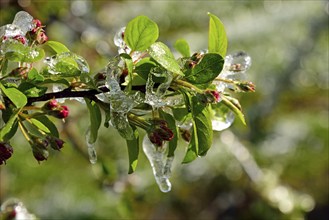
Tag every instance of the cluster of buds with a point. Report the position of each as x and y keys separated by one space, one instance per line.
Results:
x=160 y=132
x=194 y=60
x=55 y=109
x=6 y=150
x=20 y=72
x=38 y=33
x=245 y=86
x=40 y=146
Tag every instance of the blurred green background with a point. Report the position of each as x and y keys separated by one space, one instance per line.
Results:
x=275 y=168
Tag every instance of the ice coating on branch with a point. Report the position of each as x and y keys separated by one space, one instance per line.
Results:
x=222 y=120
x=120 y=121
x=154 y=96
x=24 y=21
x=91 y=148
x=55 y=63
x=161 y=165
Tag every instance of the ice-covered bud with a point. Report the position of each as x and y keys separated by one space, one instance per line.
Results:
x=20 y=38
x=160 y=132
x=212 y=96
x=6 y=150
x=55 y=143
x=41 y=37
x=246 y=86
x=156 y=139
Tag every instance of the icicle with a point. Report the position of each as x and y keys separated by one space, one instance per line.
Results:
x=120 y=43
x=155 y=98
x=91 y=148
x=159 y=162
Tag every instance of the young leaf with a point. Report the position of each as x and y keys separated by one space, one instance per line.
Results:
x=172 y=126
x=9 y=127
x=133 y=151
x=182 y=47
x=95 y=119
x=57 y=46
x=217 y=40
x=140 y=33
x=234 y=107
x=34 y=75
x=162 y=54
x=40 y=125
x=16 y=96
x=206 y=70
x=49 y=124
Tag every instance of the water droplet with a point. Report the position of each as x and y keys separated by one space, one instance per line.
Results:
x=24 y=21
x=237 y=62
x=222 y=119
x=91 y=148
x=161 y=165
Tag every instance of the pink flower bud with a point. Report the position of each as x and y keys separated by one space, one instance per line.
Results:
x=50 y=105
x=41 y=37
x=37 y=23
x=20 y=38
x=212 y=96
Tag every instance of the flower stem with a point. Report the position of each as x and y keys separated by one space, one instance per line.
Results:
x=187 y=85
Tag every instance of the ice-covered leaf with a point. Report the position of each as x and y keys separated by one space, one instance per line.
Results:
x=133 y=151
x=206 y=70
x=140 y=33
x=217 y=39
x=18 y=52
x=16 y=96
x=57 y=47
x=95 y=119
x=91 y=147
x=162 y=54
x=234 y=105
x=182 y=47
x=66 y=65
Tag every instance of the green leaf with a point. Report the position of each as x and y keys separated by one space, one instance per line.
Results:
x=49 y=124
x=182 y=47
x=18 y=52
x=34 y=75
x=206 y=70
x=217 y=40
x=202 y=134
x=95 y=119
x=31 y=90
x=40 y=125
x=140 y=33
x=162 y=54
x=16 y=96
x=133 y=150
x=57 y=46
x=172 y=126
x=144 y=66
x=234 y=105
x=9 y=129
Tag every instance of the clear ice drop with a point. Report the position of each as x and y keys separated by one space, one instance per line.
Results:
x=222 y=119
x=159 y=162
x=91 y=148
x=24 y=21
